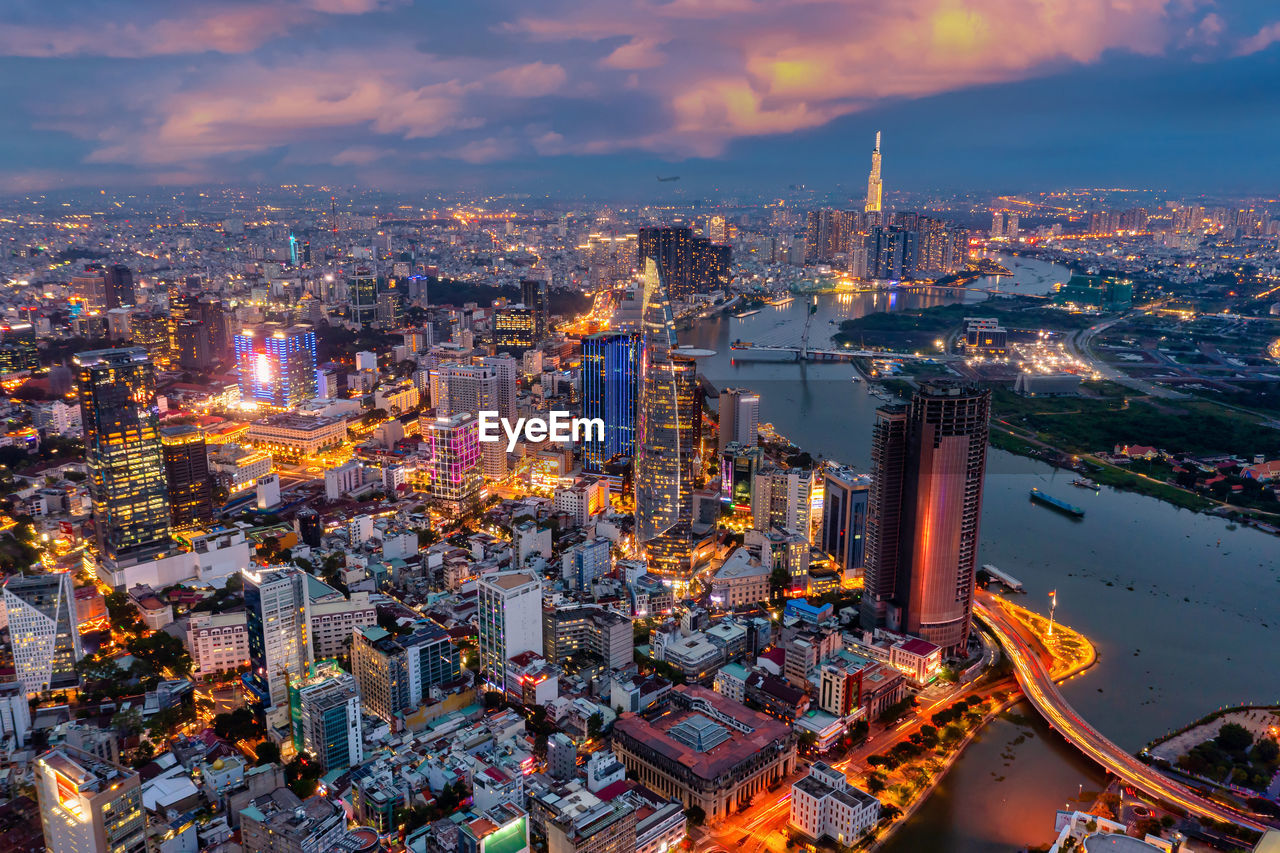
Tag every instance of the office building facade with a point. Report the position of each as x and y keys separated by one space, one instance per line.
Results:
x=276 y=618
x=510 y=615
x=277 y=365
x=186 y=467
x=123 y=452
x=88 y=805
x=844 y=517
x=43 y=631
x=611 y=391
x=456 y=477
x=924 y=506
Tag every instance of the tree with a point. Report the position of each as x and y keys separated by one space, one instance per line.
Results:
x=1266 y=751
x=696 y=815
x=594 y=723
x=875 y=783
x=779 y=583
x=128 y=723
x=1234 y=737
x=239 y=724
x=268 y=753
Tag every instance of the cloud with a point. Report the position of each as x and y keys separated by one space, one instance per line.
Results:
x=635 y=54
x=1259 y=41
x=529 y=81
x=364 y=83
x=176 y=29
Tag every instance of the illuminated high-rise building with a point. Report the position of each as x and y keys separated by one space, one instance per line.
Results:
x=455 y=462
x=362 y=297
x=276 y=616
x=875 y=188
x=610 y=391
x=928 y=461
x=844 y=518
x=668 y=428
x=41 y=610
x=277 y=364
x=186 y=467
x=88 y=805
x=739 y=418
x=689 y=264
x=123 y=453
x=514 y=329
x=510 y=621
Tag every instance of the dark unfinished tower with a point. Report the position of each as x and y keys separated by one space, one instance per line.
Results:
x=929 y=459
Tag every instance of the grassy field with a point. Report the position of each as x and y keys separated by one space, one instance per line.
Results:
x=1087 y=425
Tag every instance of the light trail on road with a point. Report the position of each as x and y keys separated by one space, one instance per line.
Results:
x=1040 y=689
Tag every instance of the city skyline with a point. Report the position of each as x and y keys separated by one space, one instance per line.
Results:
x=1149 y=94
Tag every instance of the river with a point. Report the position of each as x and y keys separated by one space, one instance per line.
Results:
x=1181 y=608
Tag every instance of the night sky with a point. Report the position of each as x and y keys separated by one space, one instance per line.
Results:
x=600 y=96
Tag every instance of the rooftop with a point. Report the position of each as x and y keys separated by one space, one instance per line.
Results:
x=751 y=732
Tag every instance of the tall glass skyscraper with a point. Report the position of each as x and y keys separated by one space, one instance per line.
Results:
x=456 y=477
x=122 y=451
x=610 y=392
x=277 y=364
x=668 y=429
x=41 y=610
x=928 y=462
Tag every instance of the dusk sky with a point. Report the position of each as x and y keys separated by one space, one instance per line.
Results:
x=600 y=96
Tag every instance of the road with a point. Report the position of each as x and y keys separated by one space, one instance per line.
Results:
x=1078 y=344
x=765 y=820
x=1043 y=693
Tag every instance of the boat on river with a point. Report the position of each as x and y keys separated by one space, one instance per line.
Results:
x=1060 y=505
x=1086 y=483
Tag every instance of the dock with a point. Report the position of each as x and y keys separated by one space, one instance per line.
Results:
x=1004 y=577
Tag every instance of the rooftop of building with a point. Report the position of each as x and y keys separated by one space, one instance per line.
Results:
x=717 y=755
x=740 y=564
x=1114 y=842
x=850 y=796
x=300 y=423
x=89 y=773
x=509 y=580
x=917 y=646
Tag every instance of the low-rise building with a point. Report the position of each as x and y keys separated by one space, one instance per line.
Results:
x=292 y=437
x=741 y=581
x=218 y=642
x=709 y=752
x=824 y=804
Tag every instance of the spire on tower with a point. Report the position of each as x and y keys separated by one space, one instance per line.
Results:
x=877 y=140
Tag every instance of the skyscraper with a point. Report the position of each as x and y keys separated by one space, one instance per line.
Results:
x=875 y=188
x=668 y=428
x=118 y=292
x=455 y=462
x=928 y=462
x=277 y=364
x=844 y=518
x=510 y=618
x=396 y=673
x=610 y=391
x=362 y=297
x=534 y=294
x=325 y=712
x=279 y=648
x=782 y=498
x=689 y=264
x=42 y=630
x=186 y=467
x=739 y=418
x=514 y=329
x=123 y=453
x=88 y=805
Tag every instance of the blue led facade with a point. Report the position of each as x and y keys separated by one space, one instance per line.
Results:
x=610 y=390
x=277 y=365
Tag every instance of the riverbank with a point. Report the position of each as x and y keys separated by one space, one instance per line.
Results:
x=1069 y=648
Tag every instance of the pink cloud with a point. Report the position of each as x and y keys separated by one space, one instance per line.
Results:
x=193 y=29
x=1259 y=41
